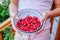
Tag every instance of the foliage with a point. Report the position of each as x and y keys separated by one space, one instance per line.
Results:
x=7 y=34
x=4 y=14
x=4 y=10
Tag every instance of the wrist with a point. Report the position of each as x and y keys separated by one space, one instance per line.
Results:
x=49 y=15
x=45 y=16
x=15 y=2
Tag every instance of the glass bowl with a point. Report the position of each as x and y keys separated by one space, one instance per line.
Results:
x=24 y=13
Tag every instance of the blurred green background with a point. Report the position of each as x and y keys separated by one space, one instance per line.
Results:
x=4 y=10
x=4 y=14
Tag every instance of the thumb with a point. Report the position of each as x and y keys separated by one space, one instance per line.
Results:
x=45 y=15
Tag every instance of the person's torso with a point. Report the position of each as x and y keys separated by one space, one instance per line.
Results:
x=39 y=5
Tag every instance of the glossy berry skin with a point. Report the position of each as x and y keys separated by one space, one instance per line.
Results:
x=29 y=24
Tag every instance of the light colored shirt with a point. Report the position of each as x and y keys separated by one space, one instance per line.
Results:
x=41 y=6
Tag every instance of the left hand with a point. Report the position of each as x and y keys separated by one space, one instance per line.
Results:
x=44 y=18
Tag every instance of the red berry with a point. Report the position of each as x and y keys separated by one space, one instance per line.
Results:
x=25 y=29
x=35 y=18
x=29 y=24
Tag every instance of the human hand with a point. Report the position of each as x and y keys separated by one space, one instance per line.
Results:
x=44 y=18
x=13 y=11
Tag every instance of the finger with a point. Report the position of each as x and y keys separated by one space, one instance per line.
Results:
x=13 y=26
x=15 y=17
x=20 y=33
x=44 y=24
x=45 y=15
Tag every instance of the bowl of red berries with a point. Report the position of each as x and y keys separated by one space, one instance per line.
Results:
x=28 y=21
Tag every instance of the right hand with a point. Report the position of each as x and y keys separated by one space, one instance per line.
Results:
x=13 y=11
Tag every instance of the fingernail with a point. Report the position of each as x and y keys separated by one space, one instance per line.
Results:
x=16 y=17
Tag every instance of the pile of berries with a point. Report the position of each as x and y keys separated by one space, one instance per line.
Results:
x=29 y=24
